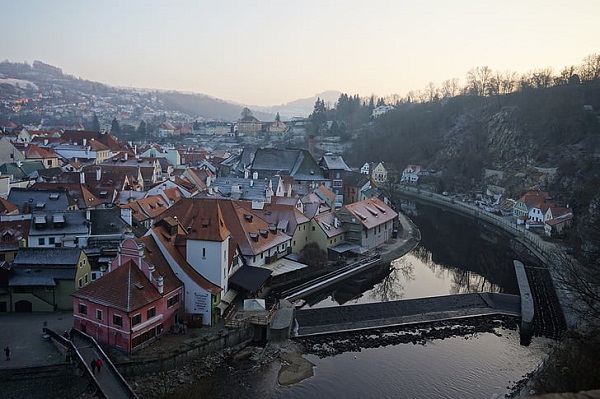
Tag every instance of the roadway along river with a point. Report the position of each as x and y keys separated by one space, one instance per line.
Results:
x=456 y=255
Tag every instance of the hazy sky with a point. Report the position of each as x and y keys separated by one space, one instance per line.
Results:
x=270 y=52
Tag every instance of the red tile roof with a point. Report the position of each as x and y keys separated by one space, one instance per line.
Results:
x=167 y=241
x=371 y=212
x=125 y=288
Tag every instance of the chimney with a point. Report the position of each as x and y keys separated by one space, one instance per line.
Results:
x=140 y=255
x=84 y=142
x=82 y=177
x=246 y=174
x=126 y=154
x=160 y=284
x=311 y=144
x=151 y=272
x=98 y=174
x=255 y=175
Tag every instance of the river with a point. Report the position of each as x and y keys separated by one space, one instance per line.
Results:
x=456 y=255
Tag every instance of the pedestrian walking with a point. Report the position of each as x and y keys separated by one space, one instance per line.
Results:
x=99 y=364
x=93 y=364
x=7 y=352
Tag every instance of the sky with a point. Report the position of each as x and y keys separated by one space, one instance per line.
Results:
x=261 y=52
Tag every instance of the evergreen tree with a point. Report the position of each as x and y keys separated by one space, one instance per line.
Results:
x=246 y=112
x=318 y=118
x=95 y=123
x=115 y=127
x=141 y=130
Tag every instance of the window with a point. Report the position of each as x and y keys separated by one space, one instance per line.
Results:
x=99 y=314
x=203 y=252
x=150 y=313
x=137 y=319
x=85 y=278
x=80 y=282
x=41 y=241
x=173 y=300
x=117 y=320
x=82 y=308
x=51 y=240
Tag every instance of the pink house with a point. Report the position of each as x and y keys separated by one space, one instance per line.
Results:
x=132 y=304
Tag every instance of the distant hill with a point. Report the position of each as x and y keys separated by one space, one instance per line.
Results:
x=38 y=77
x=302 y=107
x=201 y=105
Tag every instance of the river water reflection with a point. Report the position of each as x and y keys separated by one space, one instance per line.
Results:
x=456 y=255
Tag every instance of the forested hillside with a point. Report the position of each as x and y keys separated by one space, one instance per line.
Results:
x=517 y=133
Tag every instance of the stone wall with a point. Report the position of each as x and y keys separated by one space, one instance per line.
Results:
x=187 y=351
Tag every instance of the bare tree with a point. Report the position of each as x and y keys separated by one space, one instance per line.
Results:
x=590 y=69
x=431 y=92
x=541 y=78
x=580 y=276
x=478 y=81
x=450 y=88
x=565 y=75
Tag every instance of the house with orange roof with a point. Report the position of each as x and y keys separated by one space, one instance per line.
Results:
x=85 y=136
x=134 y=302
x=149 y=168
x=145 y=210
x=8 y=208
x=368 y=223
x=190 y=262
x=556 y=220
x=287 y=219
x=530 y=208
x=49 y=158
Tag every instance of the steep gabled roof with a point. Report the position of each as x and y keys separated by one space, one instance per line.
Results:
x=330 y=224
x=167 y=242
x=207 y=223
x=154 y=256
x=334 y=162
x=252 y=234
x=126 y=288
x=534 y=198
x=371 y=212
x=32 y=151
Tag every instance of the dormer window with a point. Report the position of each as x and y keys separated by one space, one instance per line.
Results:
x=7 y=237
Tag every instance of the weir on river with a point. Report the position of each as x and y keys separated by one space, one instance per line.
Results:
x=403 y=312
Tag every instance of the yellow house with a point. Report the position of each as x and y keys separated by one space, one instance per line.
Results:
x=326 y=230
